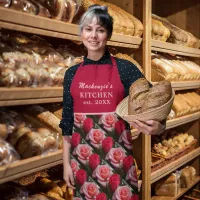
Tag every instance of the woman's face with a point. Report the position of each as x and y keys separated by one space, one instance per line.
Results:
x=94 y=36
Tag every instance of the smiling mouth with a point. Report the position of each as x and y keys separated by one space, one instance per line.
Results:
x=93 y=42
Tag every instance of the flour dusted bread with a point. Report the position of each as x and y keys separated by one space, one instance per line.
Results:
x=142 y=98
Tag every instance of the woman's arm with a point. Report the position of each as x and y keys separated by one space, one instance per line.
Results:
x=129 y=73
x=66 y=125
x=67 y=170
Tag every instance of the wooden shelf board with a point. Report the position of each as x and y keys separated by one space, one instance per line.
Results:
x=30 y=165
x=184 y=85
x=182 y=120
x=30 y=101
x=174 y=49
x=28 y=95
x=167 y=169
x=19 y=93
x=182 y=192
x=14 y=20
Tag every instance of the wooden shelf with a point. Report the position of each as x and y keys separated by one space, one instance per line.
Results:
x=155 y=176
x=174 y=49
x=184 y=85
x=182 y=120
x=14 y=20
x=28 y=95
x=182 y=192
x=28 y=166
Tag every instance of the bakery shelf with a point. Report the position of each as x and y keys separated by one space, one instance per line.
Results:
x=167 y=169
x=184 y=85
x=182 y=120
x=15 y=20
x=174 y=49
x=30 y=165
x=182 y=192
x=27 y=95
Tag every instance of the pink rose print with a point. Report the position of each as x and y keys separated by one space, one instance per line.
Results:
x=79 y=119
x=101 y=196
x=134 y=197
x=108 y=121
x=132 y=176
x=94 y=161
x=114 y=181
x=96 y=136
x=76 y=139
x=81 y=177
x=74 y=166
x=107 y=144
x=126 y=139
x=102 y=173
x=122 y=193
x=120 y=127
x=127 y=163
x=87 y=125
x=83 y=151
x=90 y=190
x=116 y=156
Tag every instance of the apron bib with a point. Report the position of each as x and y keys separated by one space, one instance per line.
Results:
x=101 y=153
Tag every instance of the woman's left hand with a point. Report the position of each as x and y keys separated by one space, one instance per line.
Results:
x=150 y=127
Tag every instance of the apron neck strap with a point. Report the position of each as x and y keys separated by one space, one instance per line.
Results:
x=113 y=60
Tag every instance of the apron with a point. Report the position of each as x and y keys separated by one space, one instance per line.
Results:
x=101 y=153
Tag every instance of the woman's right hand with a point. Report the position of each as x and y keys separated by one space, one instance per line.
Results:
x=68 y=176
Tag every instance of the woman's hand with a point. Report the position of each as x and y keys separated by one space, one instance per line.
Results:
x=68 y=176
x=150 y=127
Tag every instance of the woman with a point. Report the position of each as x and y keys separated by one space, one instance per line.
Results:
x=98 y=160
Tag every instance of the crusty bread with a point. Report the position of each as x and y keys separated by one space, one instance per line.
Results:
x=159 y=31
x=142 y=98
x=44 y=116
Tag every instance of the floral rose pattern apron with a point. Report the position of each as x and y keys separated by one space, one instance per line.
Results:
x=101 y=156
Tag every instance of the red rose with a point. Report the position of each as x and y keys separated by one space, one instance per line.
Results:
x=81 y=177
x=120 y=127
x=134 y=197
x=94 y=161
x=101 y=196
x=75 y=141
x=87 y=125
x=127 y=163
x=114 y=181
x=107 y=144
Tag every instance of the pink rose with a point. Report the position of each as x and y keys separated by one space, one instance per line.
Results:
x=79 y=119
x=90 y=190
x=75 y=141
x=134 y=197
x=127 y=163
x=87 y=125
x=132 y=176
x=94 y=161
x=81 y=177
x=114 y=181
x=102 y=173
x=83 y=151
x=108 y=121
x=74 y=166
x=127 y=139
x=101 y=196
x=96 y=136
x=120 y=127
x=122 y=193
x=116 y=156
x=107 y=144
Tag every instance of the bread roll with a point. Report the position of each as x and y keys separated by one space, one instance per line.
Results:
x=13 y=138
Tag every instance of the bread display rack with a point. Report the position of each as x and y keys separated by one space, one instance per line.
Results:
x=183 y=13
